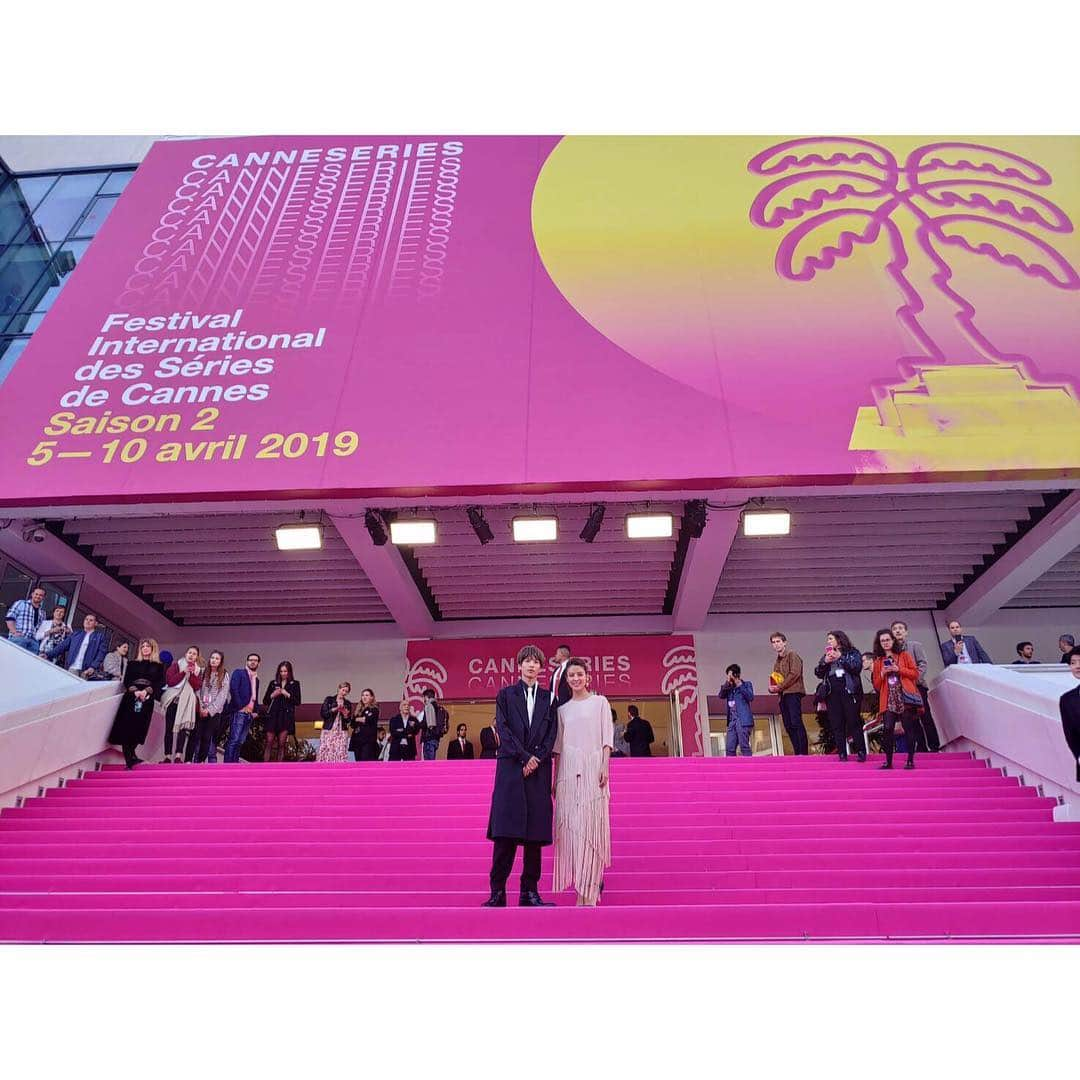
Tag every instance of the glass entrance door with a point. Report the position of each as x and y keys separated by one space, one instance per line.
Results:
x=61 y=592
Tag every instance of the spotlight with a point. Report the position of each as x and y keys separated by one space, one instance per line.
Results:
x=479 y=525
x=375 y=524
x=412 y=531
x=766 y=523
x=299 y=537
x=592 y=526
x=695 y=515
x=34 y=534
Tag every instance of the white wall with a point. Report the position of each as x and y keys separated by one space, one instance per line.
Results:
x=321 y=655
x=744 y=640
x=1041 y=626
x=43 y=153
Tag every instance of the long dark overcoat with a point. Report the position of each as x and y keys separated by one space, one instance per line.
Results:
x=521 y=806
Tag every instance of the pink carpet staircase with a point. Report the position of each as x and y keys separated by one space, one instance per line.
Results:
x=765 y=849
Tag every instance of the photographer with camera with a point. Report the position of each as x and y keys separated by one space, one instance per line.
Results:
x=739 y=693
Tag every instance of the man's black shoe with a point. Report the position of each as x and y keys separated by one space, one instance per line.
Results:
x=496 y=899
x=533 y=899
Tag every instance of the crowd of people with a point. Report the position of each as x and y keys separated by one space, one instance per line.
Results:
x=883 y=689
x=206 y=705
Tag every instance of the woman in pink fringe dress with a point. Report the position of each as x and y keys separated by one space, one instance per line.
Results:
x=580 y=782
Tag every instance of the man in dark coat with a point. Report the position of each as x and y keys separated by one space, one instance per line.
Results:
x=460 y=749
x=521 y=811
x=1070 y=710
x=639 y=733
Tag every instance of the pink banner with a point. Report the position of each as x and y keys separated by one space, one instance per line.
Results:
x=643 y=665
x=254 y=310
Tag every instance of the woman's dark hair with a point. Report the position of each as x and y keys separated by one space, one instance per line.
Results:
x=879 y=650
x=287 y=664
x=576 y=661
x=842 y=640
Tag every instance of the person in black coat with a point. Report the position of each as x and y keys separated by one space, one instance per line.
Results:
x=489 y=742
x=404 y=729
x=521 y=809
x=639 y=733
x=144 y=682
x=1070 y=710
x=280 y=700
x=460 y=749
x=365 y=724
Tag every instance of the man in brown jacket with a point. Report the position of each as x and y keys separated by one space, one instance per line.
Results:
x=787 y=681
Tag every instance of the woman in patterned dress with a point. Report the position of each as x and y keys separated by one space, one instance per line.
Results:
x=582 y=795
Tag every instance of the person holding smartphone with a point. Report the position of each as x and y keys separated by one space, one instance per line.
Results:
x=895 y=677
x=840 y=668
x=962 y=648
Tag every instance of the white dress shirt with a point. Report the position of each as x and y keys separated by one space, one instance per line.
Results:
x=77 y=663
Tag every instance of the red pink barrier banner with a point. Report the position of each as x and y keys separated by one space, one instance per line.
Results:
x=644 y=665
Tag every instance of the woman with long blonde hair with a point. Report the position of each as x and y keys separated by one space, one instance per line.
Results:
x=144 y=680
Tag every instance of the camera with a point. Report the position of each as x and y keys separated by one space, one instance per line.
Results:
x=34 y=534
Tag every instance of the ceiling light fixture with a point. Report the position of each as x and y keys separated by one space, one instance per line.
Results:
x=695 y=516
x=412 y=531
x=479 y=525
x=592 y=526
x=649 y=526
x=375 y=524
x=299 y=537
x=766 y=523
x=534 y=529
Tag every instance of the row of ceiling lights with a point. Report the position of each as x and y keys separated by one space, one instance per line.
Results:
x=414 y=532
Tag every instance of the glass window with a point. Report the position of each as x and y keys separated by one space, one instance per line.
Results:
x=65 y=204
x=24 y=275
x=10 y=350
x=117 y=182
x=35 y=188
x=95 y=215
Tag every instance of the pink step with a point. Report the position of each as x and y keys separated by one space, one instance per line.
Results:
x=136 y=901
x=766 y=849
x=734 y=922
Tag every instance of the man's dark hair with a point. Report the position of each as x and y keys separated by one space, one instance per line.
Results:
x=530 y=652
x=250 y=655
x=898 y=622
x=1070 y=654
x=632 y=710
x=566 y=647
x=429 y=693
x=734 y=669
x=777 y=634
x=462 y=727
x=1021 y=646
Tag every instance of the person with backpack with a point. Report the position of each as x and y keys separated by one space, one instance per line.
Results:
x=434 y=724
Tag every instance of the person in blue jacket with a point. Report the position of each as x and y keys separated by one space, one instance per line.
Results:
x=84 y=652
x=739 y=694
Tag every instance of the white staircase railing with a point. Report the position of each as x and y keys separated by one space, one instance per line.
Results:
x=52 y=724
x=1009 y=714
